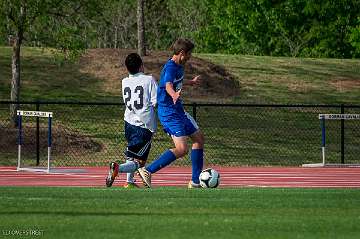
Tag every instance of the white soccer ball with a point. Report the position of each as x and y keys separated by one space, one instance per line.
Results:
x=209 y=178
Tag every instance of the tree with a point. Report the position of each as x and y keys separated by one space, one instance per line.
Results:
x=290 y=29
x=330 y=27
x=188 y=18
x=55 y=23
x=158 y=24
x=141 y=28
x=355 y=39
x=20 y=16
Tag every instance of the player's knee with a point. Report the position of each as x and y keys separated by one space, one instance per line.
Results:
x=202 y=139
x=185 y=151
x=140 y=162
x=199 y=140
x=181 y=151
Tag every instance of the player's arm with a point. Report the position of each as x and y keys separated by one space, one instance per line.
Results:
x=153 y=92
x=169 y=87
x=195 y=81
x=169 y=78
x=122 y=90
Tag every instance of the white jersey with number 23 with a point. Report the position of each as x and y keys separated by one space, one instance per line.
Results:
x=139 y=94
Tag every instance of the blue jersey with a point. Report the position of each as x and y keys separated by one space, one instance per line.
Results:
x=174 y=74
x=173 y=118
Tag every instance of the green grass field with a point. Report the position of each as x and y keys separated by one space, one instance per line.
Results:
x=181 y=213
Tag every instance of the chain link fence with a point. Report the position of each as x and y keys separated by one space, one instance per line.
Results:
x=92 y=134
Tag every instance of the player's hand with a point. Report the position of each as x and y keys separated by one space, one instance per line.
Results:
x=176 y=96
x=196 y=80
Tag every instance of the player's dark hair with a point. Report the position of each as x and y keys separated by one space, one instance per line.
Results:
x=133 y=63
x=182 y=44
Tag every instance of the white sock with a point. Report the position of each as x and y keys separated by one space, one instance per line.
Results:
x=128 y=167
x=130 y=177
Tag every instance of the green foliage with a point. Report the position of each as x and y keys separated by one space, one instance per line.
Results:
x=286 y=28
x=3 y=20
x=57 y=24
x=69 y=41
x=355 y=39
x=257 y=27
x=331 y=24
x=116 y=27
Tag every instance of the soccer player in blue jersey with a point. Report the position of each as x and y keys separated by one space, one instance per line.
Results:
x=139 y=95
x=175 y=121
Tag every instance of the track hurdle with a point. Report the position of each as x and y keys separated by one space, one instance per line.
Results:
x=322 y=118
x=41 y=114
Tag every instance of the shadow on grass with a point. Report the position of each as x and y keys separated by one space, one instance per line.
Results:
x=106 y=214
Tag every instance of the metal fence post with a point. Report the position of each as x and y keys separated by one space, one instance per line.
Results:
x=194 y=111
x=342 y=135
x=37 y=136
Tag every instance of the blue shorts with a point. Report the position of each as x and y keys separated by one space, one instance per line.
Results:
x=178 y=124
x=139 y=141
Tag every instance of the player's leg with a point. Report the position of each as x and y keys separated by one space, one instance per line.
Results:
x=175 y=128
x=197 y=157
x=129 y=167
x=165 y=159
x=197 y=149
x=139 y=145
x=137 y=151
x=113 y=172
x=170 y=155
x=130 y=182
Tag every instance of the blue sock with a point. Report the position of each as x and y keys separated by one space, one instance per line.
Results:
x=164 y=160
x=197 y=161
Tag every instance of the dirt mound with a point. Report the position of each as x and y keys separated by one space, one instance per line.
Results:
x=108 y=64
x=343 y=84
x=64 y=140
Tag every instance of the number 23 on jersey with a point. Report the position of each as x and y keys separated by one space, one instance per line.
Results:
x=134 y=98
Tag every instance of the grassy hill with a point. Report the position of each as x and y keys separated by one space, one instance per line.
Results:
x=47 y=77
x=93 y=135
x=226 y=78
x=287 y=80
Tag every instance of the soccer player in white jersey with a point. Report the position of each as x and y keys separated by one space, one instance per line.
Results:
x=139 y=94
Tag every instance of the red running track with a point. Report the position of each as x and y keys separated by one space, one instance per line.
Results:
x=179 y=176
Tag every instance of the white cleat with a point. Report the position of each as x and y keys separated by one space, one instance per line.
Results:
x=145 y=176
x=194 y=185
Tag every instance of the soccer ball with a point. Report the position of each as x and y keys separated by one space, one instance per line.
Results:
x=209 y=178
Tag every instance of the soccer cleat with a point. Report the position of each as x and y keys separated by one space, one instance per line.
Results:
x=131 y=185
x=193 y=185
x=113 y=172
x=145 y=176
